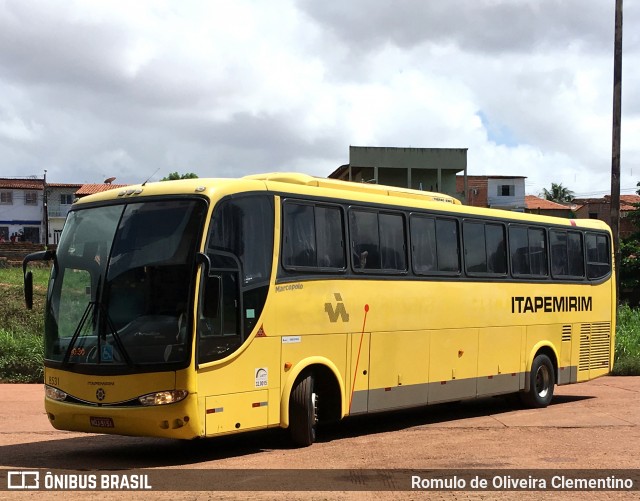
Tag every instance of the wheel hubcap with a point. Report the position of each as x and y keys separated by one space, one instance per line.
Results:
x=543 y=381
x=314 y=405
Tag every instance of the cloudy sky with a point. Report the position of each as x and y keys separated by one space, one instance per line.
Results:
x=133 y=89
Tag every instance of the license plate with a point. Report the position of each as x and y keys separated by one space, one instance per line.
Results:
x=101 y=422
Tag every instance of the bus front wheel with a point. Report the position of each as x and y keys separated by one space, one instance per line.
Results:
x=541 y=383
x=303 y=412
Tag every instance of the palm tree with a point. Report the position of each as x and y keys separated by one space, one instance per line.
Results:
x=558 y=193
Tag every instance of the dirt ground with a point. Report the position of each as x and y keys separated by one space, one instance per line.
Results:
x=594 y=425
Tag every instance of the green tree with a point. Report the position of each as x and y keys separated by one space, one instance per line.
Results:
x=630 y=259
x=558 y=193
x=173 y=176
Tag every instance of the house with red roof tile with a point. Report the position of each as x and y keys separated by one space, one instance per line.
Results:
x=600 y=208
x=537 y=205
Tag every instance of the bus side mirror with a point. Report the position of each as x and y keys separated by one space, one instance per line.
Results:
x=211 y=298
x=28 y=276
x=28 y=290
x=203 y=260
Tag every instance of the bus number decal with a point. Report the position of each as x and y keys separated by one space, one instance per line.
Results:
x=262 y=377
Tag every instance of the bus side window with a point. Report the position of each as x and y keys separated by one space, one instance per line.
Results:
x=598 y=265
x=299 y=240
x=567 y=256
x=519 y=250
x=496 y=249
x=423 y=244
x=475 y=252
x=558 y=253
x=365 y=241
x=538 y=252
x=448 y=245
x=312 y=237
x=528 y=251
x=330 y=237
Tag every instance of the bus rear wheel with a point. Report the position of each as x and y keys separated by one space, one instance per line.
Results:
x=303 y=412
x=541 y=383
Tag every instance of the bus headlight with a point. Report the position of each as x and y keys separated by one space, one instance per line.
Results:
x=163 y=397
x=54 y=393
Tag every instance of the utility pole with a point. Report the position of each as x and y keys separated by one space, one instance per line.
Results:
x=45 y=210
x=615 y=148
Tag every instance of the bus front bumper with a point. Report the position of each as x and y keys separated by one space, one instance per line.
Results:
x=178 y=420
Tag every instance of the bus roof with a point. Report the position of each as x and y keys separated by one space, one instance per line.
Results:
x=335 y=184
x=298 y=183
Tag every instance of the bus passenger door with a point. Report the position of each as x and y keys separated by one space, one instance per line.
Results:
x=453 y=366
x=358 y=387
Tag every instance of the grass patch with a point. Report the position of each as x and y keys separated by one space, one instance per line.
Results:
x=627 y=356
x=21 y=346
x=22 y=357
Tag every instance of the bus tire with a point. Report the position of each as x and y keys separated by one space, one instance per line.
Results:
x=541 y=383
x=303 y=412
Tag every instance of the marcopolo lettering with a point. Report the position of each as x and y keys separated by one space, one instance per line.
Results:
x=550 y=304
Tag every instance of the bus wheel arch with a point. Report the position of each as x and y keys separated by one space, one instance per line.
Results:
x=540 y=379
x=315 y=384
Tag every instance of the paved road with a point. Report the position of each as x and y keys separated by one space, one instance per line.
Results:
x=589 y=425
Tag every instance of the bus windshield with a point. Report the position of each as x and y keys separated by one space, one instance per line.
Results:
x=122 y=284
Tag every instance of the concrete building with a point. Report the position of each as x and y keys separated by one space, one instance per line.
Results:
x=497 y=192
x=21 y=210
x=29 y=214
x=59 y=200
x=427 y=169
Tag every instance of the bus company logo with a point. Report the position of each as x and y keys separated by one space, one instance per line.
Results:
x=339 y=311
x=100 y=394
x=21 y=480
x=551 y=304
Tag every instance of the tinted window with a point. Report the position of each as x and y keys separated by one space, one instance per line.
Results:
x=528 y=251
x=567 y=258
x=243 y=228
x=377 y=241
x=299 y=239
x=312 y=236
x=240 y=249
x=598 y=255
x=496 y=249
x=447 y=238
x=484 y=245
x=475 y=252
x=423 y=244
x=329 y=237
x=434 y=244
x=392 y=247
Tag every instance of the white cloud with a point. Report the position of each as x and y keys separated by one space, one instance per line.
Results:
x=230 y=88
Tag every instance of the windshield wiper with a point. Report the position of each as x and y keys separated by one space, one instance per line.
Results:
x=90 y=310
x=90 y=306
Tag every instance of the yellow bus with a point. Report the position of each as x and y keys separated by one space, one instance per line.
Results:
x=205 y=307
